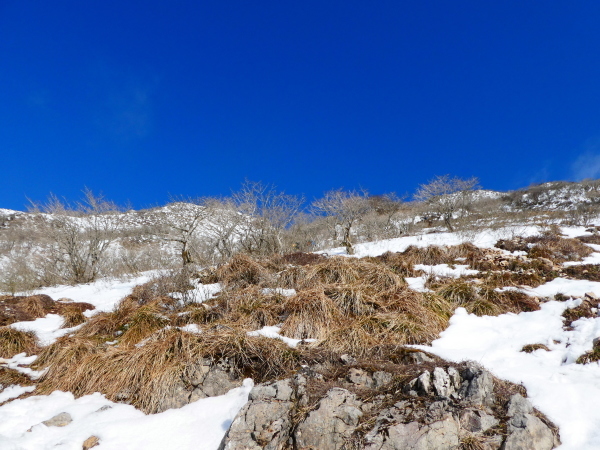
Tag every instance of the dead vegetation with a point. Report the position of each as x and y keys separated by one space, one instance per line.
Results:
x=13 y=342
x=27 y=308
x=362 y=307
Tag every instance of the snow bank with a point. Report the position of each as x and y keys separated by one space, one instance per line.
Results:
x=566 y=392
x=199 y=425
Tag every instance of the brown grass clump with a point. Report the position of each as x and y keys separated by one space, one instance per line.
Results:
x=152 y=372
x=557 y=248
x=143 y=322
x=13 y=342
x=73 y=316
x=398 y=262
x=250 y=307
x=484 y=299
x=107 y=324
x=11 y=376
x=310 y=315
x=242 y=271
x=430 y=255
x=37 y=305
x=589 y=357
x=530 y=348
x=347 y=271
x=302 y=258
x=584 y=272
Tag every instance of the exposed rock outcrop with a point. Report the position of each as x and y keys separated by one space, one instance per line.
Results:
x=447 y=407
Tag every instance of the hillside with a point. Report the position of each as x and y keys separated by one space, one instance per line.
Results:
x=482 y=337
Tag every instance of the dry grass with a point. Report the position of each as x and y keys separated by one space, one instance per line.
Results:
x=73 y=316
x=11 y=376
x=311 y=314
x=150 y=373
x=107 y=324
x=143 y=322
x=13 y=342
x=557 y=248
x=530 y=348
x=242 y=271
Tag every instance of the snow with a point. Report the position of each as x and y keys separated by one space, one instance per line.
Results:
x=280 y=291
x=417 y=283
x=483 y=239
x=14 y=391
x=273 y=332
x=444 y=270
x=48 y=329
x=199 y=425
x=103 y=294
x=574 y=288
x=566 y=392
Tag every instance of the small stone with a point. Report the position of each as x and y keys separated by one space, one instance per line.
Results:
x=349 y=360
x=90 y=442
x=359 y=377
x=518 y=405
x=591 y=296
x=381 y=379
x=60 y=420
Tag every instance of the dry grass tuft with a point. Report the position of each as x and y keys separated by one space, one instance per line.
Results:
x=250 y=307
x=36 y=305
x=11 y=376
x=107 y=324
x=143 y=322
x=149 y=373
x=73 y=316
x=13 y=342
x=310 y=315
x=530 y=348
x=242 y=271
x=557 y=248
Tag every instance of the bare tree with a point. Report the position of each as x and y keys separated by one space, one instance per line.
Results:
x=344 y=209
x=266 y=214
x=182 y=220
x=80 y=234
x=446 y=196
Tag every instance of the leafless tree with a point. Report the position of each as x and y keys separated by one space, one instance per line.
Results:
x=344 y=209
x=446 y=196
x=80 y=234
x=266 y=214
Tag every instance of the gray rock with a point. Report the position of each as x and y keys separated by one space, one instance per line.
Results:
x=416 y=357
x=349 y=360
x=60 y=420
x=517 y=405
x=526 y=431
x=381 y=379
x=442 y=384
x=454 y=377
x=477 y=421
x=359 y=377
x=478 y=386
x=261 y=424
x=443 y=434
x=334 y=420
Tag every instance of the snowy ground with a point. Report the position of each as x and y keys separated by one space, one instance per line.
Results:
x=567 y=392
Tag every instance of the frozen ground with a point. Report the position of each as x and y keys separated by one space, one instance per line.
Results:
x=567 y=392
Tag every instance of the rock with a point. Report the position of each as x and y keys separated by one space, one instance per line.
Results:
x=443 y=434
x=334 y=421
x=442 y=384
x=477 y=421
x=60 y=420
x=265 y=421
x=478 y=386
x=416 y=357
x=590 y=296
x=596 y=342
x=348 y=360
x=517 y=405
x=380 y=379
x=90 y=442
x=526 y=431
x=359 y=377
x=201 y=380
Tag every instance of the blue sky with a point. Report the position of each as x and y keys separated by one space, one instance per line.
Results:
x=146 y=99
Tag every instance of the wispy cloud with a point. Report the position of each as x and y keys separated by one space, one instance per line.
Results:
x=587 y=164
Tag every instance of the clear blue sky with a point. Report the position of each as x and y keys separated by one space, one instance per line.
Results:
x=142 y=99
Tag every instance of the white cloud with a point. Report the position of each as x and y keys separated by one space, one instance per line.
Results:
x=587 y=165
